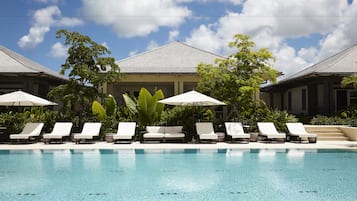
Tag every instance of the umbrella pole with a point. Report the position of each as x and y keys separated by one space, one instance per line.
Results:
x=193 y=124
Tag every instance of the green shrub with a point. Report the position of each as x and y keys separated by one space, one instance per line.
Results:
x=186 y=116
x=324 y=120
x=14 y=121
x=259 y=112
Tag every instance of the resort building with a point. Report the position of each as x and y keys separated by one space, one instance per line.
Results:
x=316 y=89
x=20 y=73
x=171 y=68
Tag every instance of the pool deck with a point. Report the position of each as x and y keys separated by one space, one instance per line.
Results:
x=220 y=145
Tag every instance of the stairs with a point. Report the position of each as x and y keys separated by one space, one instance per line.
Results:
x=325 y=133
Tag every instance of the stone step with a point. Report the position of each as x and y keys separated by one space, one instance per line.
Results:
x=329 y=134
x=326 y=133
x=322 y=129
x=334 y=138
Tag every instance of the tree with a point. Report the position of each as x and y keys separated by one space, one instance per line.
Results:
x=350 y=80
x=237 y=78
x=89 y=68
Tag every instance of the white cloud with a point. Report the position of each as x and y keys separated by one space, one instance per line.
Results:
x=152 y=45
x=47 y=1
x=204 y=37
x=173 y=35
x=58 y=50
x=272 y=23
x=235 y=2
x=134 y=52
x=105 y=45
x=43 y=20
x=135 y=18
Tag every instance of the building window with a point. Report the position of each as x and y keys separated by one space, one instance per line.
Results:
x=353 y=98
x=289 y=100
x=303 y=99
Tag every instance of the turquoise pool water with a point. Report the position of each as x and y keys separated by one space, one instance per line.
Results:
x=178 y=175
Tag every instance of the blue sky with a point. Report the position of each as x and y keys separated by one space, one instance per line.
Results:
x=298 y=32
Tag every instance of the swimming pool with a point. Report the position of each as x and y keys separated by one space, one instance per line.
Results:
x=192 y=174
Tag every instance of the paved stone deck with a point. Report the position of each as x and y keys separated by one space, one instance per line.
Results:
x=220 y=145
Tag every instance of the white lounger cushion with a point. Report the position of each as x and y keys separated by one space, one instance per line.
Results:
x=205 y=131
x=153 y=135
x=235 y=129
x=90 y=130
x=174 y=135
x=30 y=130
x=154 y=132
x=126 y=131
x=60 y=129
x=268 y=129
x=298 y=129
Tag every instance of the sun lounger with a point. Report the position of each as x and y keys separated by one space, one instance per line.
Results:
x=269 y=133
x=236 y=132
x=298 y=133
x=164 y=134
x=59 y=132
x=205 y=132
x=31 y=132
x=125 y=133
x=89 y=132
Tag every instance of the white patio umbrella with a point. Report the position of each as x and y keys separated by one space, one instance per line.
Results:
x=191 y=98
x=20 y=98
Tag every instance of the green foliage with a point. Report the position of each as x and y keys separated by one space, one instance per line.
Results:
x=350 y=80
x=187 y=116
x=99 y=111
x=237 y=78
x=110 y=104
x=41 y=114
x=280 y=118
x=132 y=106
x=259 y=112
x=146 y=108
x=14 y=121
x=324 y=120
x=108 y=114
x=89 y=68
x=350 y=112
x=346 y=117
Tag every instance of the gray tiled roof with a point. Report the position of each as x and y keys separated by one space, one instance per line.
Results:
x=342 y=63
x=175 y=57
x=12 y=62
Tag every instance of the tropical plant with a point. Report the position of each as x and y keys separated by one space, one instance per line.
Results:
x=41 y=114
x=237 y=78
x=14 y=121
x=108 y=114
x=146 y=109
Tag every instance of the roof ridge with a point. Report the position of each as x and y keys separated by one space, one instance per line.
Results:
x=146 y=52
x=340 y=54
x=344 y=53
x=165 y=46
x=18 y=60
x=199 y=49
